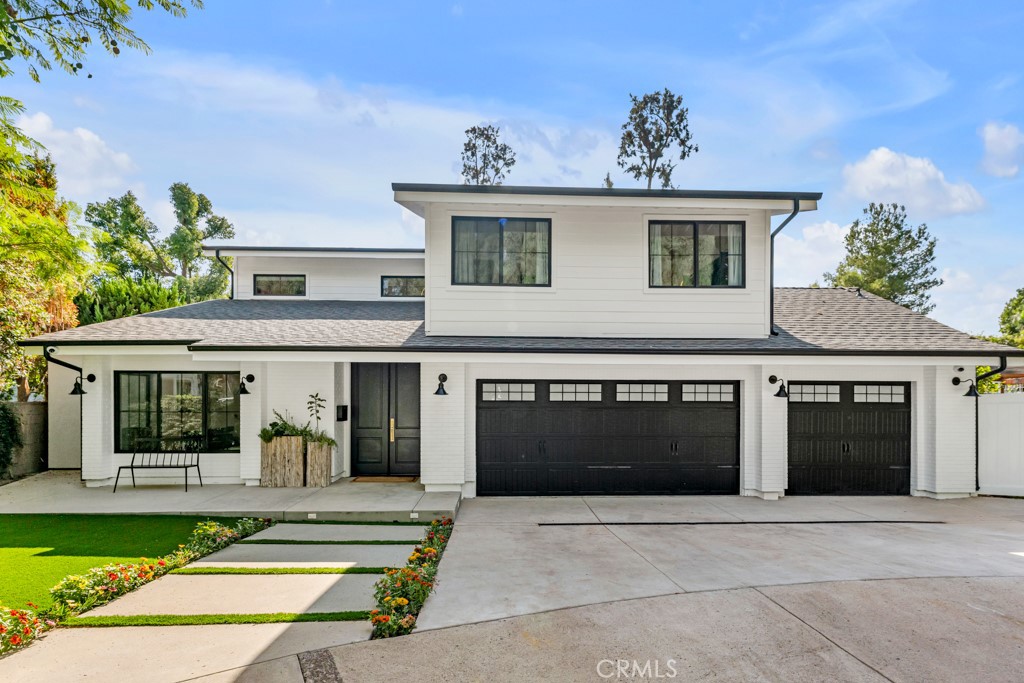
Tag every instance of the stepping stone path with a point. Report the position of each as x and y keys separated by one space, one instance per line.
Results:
x=301 y=547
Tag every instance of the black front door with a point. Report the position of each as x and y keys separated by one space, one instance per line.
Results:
x=849 y=438
x=386 y=419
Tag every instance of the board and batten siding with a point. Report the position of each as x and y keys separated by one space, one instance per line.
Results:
x=599 y=280
x=337 y=278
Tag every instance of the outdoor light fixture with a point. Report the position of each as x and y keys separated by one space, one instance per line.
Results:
x=441 y=379
x=77 y=390
x=241 y=387
x=781 y=393
x=972 y=391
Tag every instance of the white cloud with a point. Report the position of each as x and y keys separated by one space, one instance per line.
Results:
x=1004 y=149
x=887 y=176
x=86 y=166
x=972 y=301
x=801 y=260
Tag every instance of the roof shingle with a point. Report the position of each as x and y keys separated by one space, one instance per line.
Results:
x=809 y=321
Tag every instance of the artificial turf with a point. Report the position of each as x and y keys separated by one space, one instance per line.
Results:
x=208 y=619
x=278 y=570
x=294 y=541
x=37 y=551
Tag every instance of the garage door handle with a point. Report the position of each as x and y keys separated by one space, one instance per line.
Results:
x=609 y=467
x=899 y=467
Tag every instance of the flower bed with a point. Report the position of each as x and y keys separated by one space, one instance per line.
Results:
x=76 y=594
x=401 y=593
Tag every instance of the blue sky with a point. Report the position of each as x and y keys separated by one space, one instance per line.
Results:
x=295 y=123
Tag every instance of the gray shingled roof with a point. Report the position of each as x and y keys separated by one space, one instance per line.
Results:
x=809 y=321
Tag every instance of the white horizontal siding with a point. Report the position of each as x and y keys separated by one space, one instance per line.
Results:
x=599 y=281
x=343 y=278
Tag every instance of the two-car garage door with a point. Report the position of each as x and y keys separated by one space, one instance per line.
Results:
x=585 y=437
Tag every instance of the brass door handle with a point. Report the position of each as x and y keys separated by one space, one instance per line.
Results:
x=392 y=430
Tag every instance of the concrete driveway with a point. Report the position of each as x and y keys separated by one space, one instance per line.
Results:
x=510 y=557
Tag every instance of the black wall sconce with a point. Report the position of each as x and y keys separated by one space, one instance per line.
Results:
x=441 y=379
x=242 y=390
x=972 y=391
x=77 y=390
x=781 y=393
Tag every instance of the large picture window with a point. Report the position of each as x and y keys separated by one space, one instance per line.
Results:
x=696 y=254
x=279 y=285
x=501 y=251
x=167 y=409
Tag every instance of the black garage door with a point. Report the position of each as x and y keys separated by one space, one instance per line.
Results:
x=576 y=437
x=849 y=438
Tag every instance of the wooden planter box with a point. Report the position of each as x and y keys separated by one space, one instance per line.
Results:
x=318 y=464
x=282 y=461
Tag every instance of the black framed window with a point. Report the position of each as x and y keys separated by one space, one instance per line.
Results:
x=166 y=408
x=402 y=285
x=279 y=285
x=697 y=254
x=501 y=251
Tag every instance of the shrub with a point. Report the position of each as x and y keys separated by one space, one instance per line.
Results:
x=113 y=298
x=400 y=594
x=10 y=438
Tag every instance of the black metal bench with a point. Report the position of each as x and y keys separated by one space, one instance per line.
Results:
x=163 y=454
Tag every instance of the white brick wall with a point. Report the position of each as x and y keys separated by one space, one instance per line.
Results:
x=63 y=417
x=443 y=427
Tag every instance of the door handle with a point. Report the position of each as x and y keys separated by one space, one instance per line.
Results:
x=392 y=429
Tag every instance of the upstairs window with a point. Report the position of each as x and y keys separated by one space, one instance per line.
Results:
x=696 y=254
x=402 y=285
x=279 y=285
x=513 y=252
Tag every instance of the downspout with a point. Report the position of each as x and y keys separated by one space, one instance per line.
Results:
x=231 y=294
x=81 y=450
x=771 y=267
x=977 y=399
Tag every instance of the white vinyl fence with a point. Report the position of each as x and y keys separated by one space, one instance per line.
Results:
x=1001 y=444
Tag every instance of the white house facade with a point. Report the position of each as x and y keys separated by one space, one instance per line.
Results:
x=547 y=341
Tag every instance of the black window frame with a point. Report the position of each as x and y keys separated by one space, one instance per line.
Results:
x=403 y=296
x=696 y=253
x=118 y=447
x=501 y=250
x=305 y=285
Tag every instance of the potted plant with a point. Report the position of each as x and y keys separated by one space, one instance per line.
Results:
x=296 y=455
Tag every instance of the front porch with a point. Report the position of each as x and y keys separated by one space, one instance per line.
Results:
x=57 y=492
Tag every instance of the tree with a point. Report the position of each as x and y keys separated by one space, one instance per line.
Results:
x=607 y=182
x=1011 y=320
x=485 y=159
x=657 y=127
x=887 y=257
x=46 y=32
x=127 y=243
x=112 y=298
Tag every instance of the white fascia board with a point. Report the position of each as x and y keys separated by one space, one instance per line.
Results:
x=418 y=201
x=315 y=253
x=111 y=350
x=583 y=359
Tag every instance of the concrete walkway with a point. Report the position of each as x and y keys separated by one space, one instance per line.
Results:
x=174 y=653
x=62 y=492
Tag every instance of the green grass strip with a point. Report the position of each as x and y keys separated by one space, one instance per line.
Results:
x=292 y=541
x=280 y=570
x=211 y=619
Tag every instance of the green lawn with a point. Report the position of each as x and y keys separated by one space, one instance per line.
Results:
x=37 y=551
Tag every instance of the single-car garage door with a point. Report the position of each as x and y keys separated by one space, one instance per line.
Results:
x=585 y=437
x=849 y=438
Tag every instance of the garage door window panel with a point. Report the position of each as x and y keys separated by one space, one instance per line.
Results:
x=642 y=392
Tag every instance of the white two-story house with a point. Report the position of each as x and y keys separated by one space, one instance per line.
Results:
x=546 y=341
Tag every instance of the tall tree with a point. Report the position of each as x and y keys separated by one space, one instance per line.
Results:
x=888 y=257
x=485 y=158
x=127 y=243
x=112 y=298
x=1011 y=320
x=43 y=33
x=658 y=127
